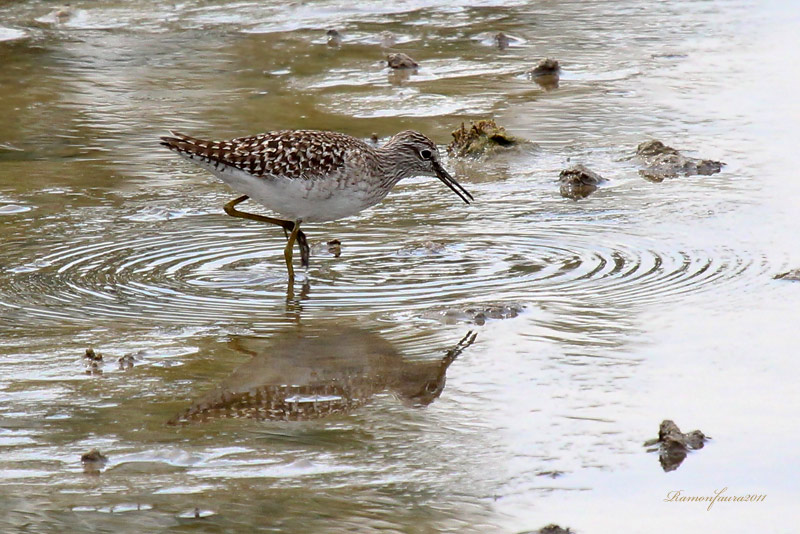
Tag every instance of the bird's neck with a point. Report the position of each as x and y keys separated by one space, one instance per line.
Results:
x=393 y=168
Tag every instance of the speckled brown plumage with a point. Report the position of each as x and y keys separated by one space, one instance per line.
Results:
x=304 y=154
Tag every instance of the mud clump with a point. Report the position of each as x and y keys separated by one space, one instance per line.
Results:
x=546 y=73
x=550 y=529
x=479 y=138
x=666 y=162
x=546 y=67
x=502 y=41
x=578 y=182
x=126 y=362
x=673 y=445
x=334 y=38
x=401 y=61
x=654 y=148
x=330 y=248
x=93 y=461
x=93 y=361
x=793 y=275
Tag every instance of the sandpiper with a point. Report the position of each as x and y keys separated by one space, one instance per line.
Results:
x=312 y=176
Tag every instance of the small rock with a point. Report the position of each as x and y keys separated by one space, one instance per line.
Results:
x=708 y=167
x=502 y=41
x=93 y=360
x=546 y=67
x=401 y=61
x=335 y=247
x=374 y=138
x=654 y=148
x=93 y=461
x=481 y=136
x=546 y=74
x=126 y=362
x=579 y=175
x=673 y=165
x=667 y=166
x=578 y=182
x=93 y=455
x=666 y=162
x=334 y=38
x=554 y=529
x=92 y=356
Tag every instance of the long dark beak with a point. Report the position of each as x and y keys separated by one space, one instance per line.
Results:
x=450 y=182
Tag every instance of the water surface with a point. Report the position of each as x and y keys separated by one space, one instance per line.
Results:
x=643 y=302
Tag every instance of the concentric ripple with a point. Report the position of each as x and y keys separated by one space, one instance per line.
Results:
x=203 y=271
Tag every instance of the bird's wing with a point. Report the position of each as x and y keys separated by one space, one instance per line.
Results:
x=302 y=154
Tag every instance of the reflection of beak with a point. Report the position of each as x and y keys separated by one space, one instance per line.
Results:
x=450 y=182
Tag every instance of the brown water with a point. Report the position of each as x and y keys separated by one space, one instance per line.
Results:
x=643 y=302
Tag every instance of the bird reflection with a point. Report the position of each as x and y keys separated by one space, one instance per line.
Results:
x=306 y=374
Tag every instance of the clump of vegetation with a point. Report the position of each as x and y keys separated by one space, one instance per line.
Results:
x=478 y=138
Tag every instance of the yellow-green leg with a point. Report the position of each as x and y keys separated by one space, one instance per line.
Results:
x=288 y=251
x=288 y=226
x=231 y=210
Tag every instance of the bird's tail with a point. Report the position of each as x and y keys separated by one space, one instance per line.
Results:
x=185 y=144
x=205 y=153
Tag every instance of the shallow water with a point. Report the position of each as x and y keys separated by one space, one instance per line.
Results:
x=643 y=302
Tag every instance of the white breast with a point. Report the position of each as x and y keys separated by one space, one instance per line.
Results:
x=318 y=200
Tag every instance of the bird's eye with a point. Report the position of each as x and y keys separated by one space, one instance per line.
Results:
x=425 y=154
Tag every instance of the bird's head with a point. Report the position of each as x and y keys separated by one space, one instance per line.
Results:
x=413 y=154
